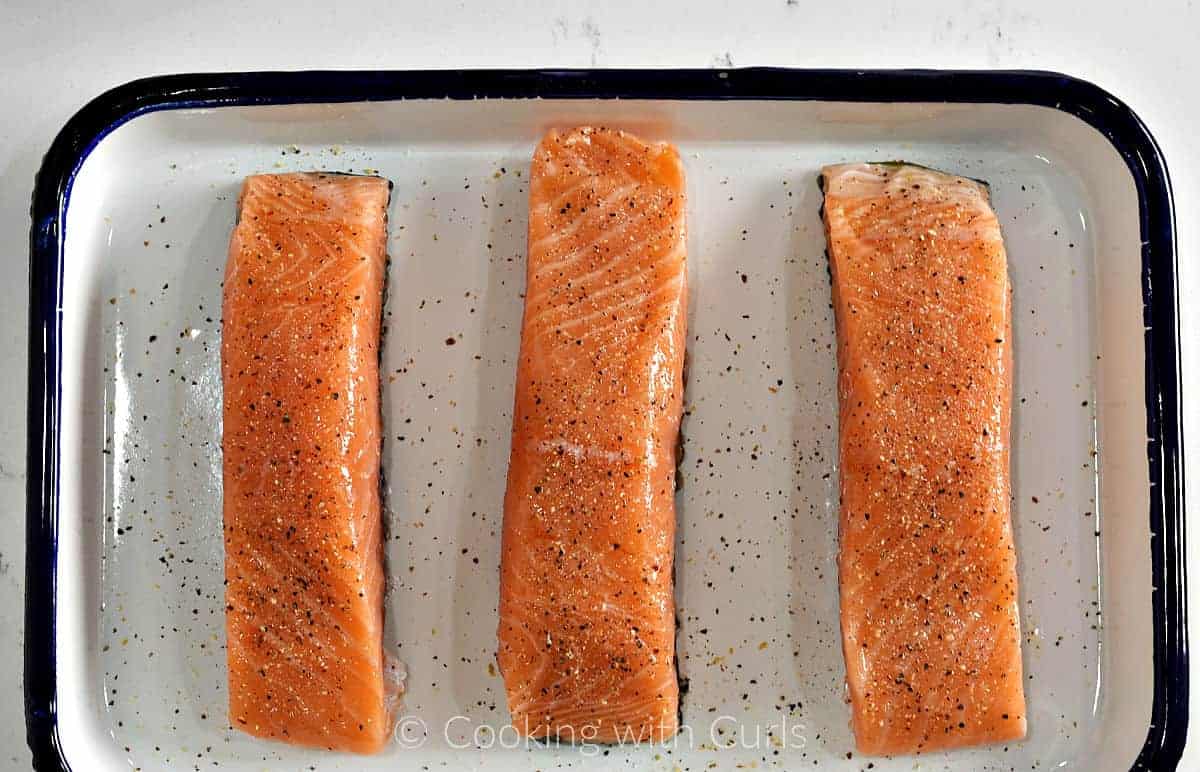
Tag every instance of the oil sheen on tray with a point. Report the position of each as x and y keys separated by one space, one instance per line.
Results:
x=299 y=357
x=930 y=628
x=587 y=614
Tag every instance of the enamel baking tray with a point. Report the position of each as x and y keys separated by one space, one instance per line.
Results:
x=131 y=219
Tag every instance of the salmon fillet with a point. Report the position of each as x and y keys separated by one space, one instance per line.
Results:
x=587 y=614
x=300 y=364
x=930 y=628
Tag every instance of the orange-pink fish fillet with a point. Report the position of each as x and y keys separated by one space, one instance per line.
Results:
x=587 y=617
x=303 y=561
x=930 y=627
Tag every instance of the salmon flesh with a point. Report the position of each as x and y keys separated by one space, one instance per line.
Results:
x=930 y=628
x=587 y=614
x=300 y=365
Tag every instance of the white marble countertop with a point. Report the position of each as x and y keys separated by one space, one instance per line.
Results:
x=54 y=56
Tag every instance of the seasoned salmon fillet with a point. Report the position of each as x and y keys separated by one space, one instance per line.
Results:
x=930 y=628
x=587 y=614
x=300 y=364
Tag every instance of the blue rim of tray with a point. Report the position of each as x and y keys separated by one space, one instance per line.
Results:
x=1167 y=732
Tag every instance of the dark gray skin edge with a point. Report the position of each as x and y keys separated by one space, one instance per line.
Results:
x=680 y=680
x=384 y=526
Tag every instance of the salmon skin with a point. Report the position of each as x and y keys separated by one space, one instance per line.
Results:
x=303 y=556
x=587 y=614
x=930 y=627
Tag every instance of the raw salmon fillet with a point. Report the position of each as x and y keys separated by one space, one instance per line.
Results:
x=587 y=614
x=930 y=628
x=300 y=364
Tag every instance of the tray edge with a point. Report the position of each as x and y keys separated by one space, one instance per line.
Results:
x=1122 y=127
